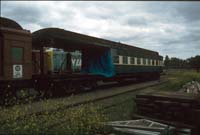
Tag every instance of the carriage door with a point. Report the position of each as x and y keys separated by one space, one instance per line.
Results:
x=17 y=55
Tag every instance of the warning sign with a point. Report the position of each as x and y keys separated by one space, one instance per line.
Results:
x=17 y=71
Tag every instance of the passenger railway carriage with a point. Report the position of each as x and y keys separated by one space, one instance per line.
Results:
x=54 y=60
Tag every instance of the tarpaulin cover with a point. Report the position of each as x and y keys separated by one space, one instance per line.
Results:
x=99 y=64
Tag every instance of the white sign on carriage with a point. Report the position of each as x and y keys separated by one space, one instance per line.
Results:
x=17 y=71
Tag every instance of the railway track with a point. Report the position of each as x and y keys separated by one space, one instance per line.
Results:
x=85 y=98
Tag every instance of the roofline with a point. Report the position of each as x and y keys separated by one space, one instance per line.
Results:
x=5 y=19
x=101 y=39
x=11 y=30
x=128 y=45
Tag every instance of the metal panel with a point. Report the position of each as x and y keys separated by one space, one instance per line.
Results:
x=136 y=68
x=16 y=39
x=1 y=55
x=141 y=127
x=17 y=54
x=36 y=68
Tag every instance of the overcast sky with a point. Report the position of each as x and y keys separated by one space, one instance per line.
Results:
x=171 y=28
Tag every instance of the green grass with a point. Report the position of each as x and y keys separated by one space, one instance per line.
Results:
x=85 y=119
x=126 y=108
x=121 y=107
x=123 y=111
x=177 y=79
x=82 y=120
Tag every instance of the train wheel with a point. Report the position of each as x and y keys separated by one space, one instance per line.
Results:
x=22 y=94
x=1 y=97
x=94 y=84
x=89 y=85
x=71 y=87
x=9 y=96
x=41 y=94
x=25 y=95
x=60 y=89
x=49 y=92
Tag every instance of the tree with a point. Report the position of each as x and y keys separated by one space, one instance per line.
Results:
x=195 y=62
x=166 y=61
x=176 y=63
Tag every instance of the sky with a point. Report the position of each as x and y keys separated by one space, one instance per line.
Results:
x=170 y=28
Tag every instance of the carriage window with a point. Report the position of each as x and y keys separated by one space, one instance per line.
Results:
x=132 y=60
x=144 y=61
x=17 y=54
x=125 y=60
x=116 y=59
x=138 y=61
x=148 y=62
x=153 y=62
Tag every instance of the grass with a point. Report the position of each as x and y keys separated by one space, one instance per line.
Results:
x=126 y=107
x=84 y=119
x=178 y=78
x=122 y=111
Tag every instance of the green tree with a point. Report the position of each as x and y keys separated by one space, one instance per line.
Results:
x=176 y=63
x=166 y=61
x=195 y=62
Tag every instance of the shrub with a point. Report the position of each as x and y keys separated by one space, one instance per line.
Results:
x=81 y=120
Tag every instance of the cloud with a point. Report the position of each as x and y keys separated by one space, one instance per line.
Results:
x=171 y=28
x=189 y=10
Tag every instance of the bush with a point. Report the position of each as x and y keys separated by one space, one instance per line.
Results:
x=82 y=120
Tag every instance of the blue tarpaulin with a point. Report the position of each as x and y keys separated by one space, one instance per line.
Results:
x=100 y=64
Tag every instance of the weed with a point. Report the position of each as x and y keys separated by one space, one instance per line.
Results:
x=82 y=120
